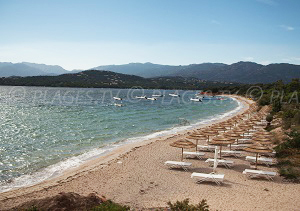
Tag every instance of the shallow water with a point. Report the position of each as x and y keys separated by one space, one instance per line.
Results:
x=47 y=130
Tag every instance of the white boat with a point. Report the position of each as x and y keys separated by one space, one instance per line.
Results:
x=117 y=98
x=157 y=95
x=196 y=99
x=118 y=105
x=151 y=98
x=141 y=97
x=174 y=95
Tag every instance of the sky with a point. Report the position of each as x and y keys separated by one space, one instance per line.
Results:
x=81 y=34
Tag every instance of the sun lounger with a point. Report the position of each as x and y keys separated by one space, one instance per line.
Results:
x=206 y=148
x=270 y=154
x=231 y=153
x=194 y=154
x=226 y=163
x=244 y=140
x=201 y=177
x=177 y=164
x=261 y=160
x=258 y=173
x=238 y=146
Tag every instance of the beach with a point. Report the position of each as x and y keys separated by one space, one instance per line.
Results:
x=135 y=175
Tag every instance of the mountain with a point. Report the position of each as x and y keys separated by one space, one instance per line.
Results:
x=147 y=70
x=29 y=69
x=243 y=72
x=240 y=72
x=49 y=69
x=108 y=79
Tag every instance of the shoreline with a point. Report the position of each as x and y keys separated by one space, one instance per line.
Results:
x=76 y=162
x=135 y=175
x=117 y=153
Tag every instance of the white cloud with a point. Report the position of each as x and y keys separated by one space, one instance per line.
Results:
x=268 y=2
x=287 y=28
x=266 y=62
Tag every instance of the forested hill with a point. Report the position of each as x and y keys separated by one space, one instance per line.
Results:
x=108 y=79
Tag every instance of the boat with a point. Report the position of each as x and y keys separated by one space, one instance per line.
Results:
x=174 y=95
x=151 y=98
x=157 y=95
x=118 y=105
x=140 y=97
x=117 y=98
x=196 y=99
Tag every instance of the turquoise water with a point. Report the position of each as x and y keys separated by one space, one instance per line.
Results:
x=47 y=130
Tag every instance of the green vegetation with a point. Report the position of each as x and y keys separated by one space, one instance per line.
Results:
x=107 y=79
x=184 y=205
x=110 y=206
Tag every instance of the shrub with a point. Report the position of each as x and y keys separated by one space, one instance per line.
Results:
x=289 y=114
x=290 y=146
x=110 y=206
x=276 y=106
x=184 y=205
x=269 y=118
x=289 y=173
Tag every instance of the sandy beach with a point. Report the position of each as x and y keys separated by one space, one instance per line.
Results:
x=135 y=175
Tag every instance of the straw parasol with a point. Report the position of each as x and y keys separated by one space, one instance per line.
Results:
x=221 y=141
x=217 y=127
x=262 y=140
x=183 y=144
x=233 y=135
x=210 y=133
x=196 y=136
x=255 y=148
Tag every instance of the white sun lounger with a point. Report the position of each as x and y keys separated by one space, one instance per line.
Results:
x=206 y=148
x=231 y=153
x=226 y=163
x=244 y=140
x=238 y=146
x=194 y=154
x=258 y=173
x=177 y=164
x=261 y=160
x=201 y=177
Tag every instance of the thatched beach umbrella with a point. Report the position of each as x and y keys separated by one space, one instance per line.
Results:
x=262 y=140
x=209 y=133
x=255 y=148
x=230 y=125
x=197 y=137
x=183 y=144
x=221 y=141
x=218 y=128
x=233 y=135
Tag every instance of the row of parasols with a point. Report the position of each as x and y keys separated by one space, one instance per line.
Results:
x=249 y=124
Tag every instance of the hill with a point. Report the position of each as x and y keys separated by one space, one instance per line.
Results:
x=108 y=79
x=241 y=72
x=29 y=69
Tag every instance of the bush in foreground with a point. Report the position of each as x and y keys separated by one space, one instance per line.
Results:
x=185 y=206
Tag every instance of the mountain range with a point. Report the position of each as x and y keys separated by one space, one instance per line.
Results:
x=240 y=72
x=29 y=69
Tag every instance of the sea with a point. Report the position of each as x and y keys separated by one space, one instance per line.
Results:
x=46 y=131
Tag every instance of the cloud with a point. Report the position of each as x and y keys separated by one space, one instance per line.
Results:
x=215 y=22
x=287 y=28
x=266 y=62
x=268 y=2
